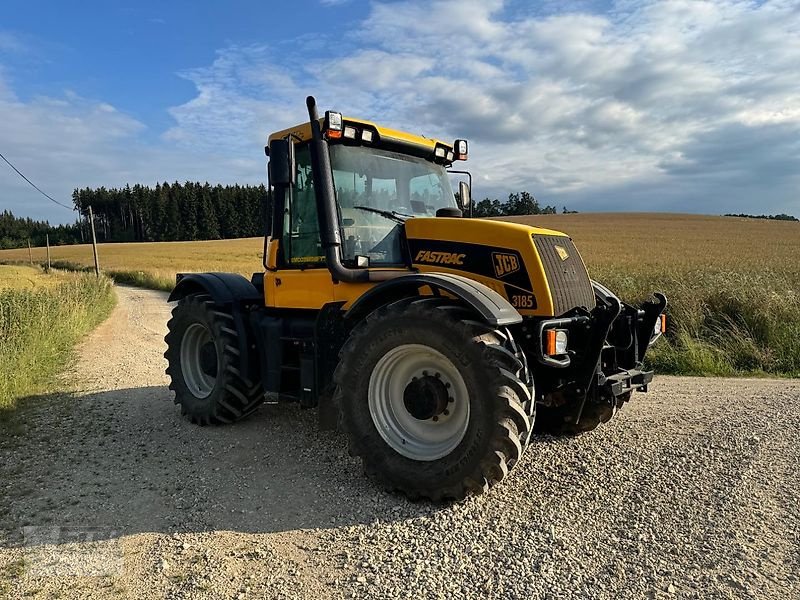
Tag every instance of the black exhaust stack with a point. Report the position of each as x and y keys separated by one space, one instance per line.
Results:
x=328 y=215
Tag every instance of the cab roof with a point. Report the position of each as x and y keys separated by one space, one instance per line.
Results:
x=385 y=134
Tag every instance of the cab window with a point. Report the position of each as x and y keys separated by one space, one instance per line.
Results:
x=301 y=241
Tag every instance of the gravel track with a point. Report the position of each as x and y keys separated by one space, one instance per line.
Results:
x=692 y=491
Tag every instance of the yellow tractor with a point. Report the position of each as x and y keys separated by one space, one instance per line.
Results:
x=437 y=342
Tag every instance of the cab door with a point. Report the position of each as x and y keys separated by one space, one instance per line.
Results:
x=298 y=277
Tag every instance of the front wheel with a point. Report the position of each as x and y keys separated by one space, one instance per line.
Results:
x=435 y=404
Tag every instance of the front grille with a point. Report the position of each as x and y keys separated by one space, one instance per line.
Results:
x=566 y=273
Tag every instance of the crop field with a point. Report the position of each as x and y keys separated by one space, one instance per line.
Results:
x=733 y=284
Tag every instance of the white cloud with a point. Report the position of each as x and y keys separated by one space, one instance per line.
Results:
x=650 y=105
x=66 y=142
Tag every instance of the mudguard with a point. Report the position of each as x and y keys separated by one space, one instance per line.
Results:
x=226 y=289
x=493 y=308
x=222 y=287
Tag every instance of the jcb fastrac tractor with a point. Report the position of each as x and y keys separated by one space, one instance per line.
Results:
x=435 y=341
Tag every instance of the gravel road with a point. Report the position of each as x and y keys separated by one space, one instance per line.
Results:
x=691 y=492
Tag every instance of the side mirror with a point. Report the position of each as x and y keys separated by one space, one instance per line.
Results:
x=281 y=162
x=464 y=196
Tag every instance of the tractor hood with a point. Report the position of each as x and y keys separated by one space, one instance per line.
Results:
x=522 y=263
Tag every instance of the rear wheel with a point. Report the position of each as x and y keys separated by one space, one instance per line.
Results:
x=205 y=366
x=435 y=404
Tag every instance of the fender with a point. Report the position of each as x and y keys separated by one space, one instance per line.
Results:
x=491 y=306
x=228 y=289
x=222 y=287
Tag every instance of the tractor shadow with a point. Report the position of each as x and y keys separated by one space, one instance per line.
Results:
x=126 y=460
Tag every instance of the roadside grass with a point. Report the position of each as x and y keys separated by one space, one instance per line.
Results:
x=733 y=284
x=39 y=326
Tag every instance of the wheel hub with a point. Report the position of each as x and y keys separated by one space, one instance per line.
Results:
x=199 y=362
x=419 y=402
x=208 y=359
x=426 y=397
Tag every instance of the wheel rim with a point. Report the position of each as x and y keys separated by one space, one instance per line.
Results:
x=199 y=360
x=408 y=407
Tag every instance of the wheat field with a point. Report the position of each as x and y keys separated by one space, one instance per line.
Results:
x=733 y=283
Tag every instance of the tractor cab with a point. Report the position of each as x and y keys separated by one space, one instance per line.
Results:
x=381 y=177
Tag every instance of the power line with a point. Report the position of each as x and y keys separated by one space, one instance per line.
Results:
x=34 y=185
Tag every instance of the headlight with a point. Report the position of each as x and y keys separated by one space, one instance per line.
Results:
x=555 y=342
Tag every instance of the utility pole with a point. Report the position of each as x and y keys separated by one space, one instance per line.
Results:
x=47 y=239
x=94 y=243
x=30 y=252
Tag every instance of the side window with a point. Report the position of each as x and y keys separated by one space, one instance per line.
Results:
x=301 y=243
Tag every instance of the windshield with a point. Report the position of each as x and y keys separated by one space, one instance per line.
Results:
x=376 y=189
x=389 y=181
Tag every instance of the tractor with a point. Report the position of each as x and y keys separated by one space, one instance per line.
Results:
x=437 y=342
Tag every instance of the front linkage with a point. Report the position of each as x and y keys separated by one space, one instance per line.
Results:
x=585 y=387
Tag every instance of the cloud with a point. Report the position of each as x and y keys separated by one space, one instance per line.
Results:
x=649 y=105
x=67 y=142
x=567 y=104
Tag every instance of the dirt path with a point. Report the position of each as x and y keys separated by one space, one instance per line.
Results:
x=691 y=491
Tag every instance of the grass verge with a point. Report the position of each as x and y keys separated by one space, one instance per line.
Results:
x=39 y=328
x=142 y=279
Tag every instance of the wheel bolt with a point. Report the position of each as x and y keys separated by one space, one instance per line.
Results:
x=435 y=418
x=451 y=399
x=447 y=385
x=445 y=412
x=425 y=373
x=438 y=375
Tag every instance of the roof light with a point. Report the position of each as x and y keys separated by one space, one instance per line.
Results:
x=461 y=149
x=450 y=156
x=350 y=132
x=333 y=124
x=366 y=136
x=334 y=120
x=439 y=152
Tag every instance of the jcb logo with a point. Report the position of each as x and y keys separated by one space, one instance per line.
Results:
x=440 y=258
x=505 y=264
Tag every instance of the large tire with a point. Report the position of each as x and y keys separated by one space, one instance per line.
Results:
x=205 y=366
x=436 y=405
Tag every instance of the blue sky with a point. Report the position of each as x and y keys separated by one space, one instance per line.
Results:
x=672 y=105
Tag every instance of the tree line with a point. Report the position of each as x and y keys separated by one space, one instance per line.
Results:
x=174 y=212
x=522 y=203
x=780 y=217
x=16 y=231
x=185 y=212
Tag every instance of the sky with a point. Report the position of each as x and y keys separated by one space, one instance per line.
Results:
x=667 y=105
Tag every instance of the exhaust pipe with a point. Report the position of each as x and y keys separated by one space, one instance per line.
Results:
x=328 y=215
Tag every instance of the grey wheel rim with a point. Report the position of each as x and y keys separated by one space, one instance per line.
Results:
x=423 y=434
x=197 y=375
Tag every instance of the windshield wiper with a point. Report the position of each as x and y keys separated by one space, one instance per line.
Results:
x=393 y=214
